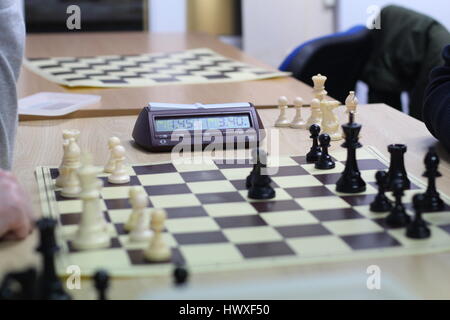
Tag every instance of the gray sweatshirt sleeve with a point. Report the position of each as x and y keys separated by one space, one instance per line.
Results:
x=12 y=41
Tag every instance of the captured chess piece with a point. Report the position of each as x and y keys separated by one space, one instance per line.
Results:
x=325 y=161
x=180 y=275
x=112 y=143
x=432 y=201
x=259 y=157
x=397 y=169
x=351 y=102
x=313 y=155
x=298 y=122
x=398 y=218
x=418 y=228
x=316 y=114
x=261 y=188
x=381 y=202
x=350 y=180
x=330 y=122
x=101 y=283
x=158 y=250
x=282 y=121
x=119 y=175
x=49 y=286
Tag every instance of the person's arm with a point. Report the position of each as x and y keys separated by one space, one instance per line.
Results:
x=12 y=40
x=436 y=109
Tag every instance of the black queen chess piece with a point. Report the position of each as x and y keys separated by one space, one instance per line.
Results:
x=350 y=180
x=432 y=201
x=397 y=169
x=313 y=155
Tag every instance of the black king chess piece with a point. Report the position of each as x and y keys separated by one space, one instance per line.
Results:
x=432 y=200
x=49 y=285
x=315 y=152
x=381 y=203
x=418 y=228
x=398 y=218
x=325 y=161
x=350 y=180
x=397 y=169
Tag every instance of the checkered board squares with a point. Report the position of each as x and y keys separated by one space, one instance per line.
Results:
x=213 y=225
x=186 y=67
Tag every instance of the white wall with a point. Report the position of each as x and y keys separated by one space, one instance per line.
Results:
x=167 y=15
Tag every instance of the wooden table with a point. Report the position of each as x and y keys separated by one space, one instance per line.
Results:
x=39 y=143
x=128 y=101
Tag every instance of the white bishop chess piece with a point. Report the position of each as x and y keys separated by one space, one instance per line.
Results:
x=330 y=122
x=316 y=114
x=67 y=135
x=71 y=186
x=140 y=230
x=298 y=122
x=158 y=250
x=91 y=233
x=112 y=143
x=351 y=102
x=282 y=121
x=119 y=175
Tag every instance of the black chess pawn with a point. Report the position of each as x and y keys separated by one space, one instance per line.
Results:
x=259 y=156
x=315 y=152
x=350 y=180
x=180 y=276
x=381 y=203
x=49 y=285
x=398 y=217
x=418 y=228
x=325 y=161
x=261 y=188
x=432 y=199
x=397 y=169
x=101 y=283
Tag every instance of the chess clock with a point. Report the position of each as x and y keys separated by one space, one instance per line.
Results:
x=162 y=126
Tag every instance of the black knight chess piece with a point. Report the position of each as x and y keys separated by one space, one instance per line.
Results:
x=261 y=188
x=397 y=169
x=432 y=200
x=325 y=161
x=381 y=203
x=418 y=228
x=315 y=152
x=350 y=180
x=398 y=218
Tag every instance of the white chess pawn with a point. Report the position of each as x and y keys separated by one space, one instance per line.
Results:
x=282 y=120
x=132 y=219
x=351 y=102
x=112 y=142
x=63 y=174
x=141 y=229
x=316 y=114
x=298 y=122
x=71 y=187
x=119 y=176
x=330 y=122
x=158 y=250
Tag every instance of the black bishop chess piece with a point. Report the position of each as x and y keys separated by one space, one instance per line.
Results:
x=397 y=169
x=398 y=218
x=432 y=199
x=381 y=203
x=418 y=228
x=315 y=152
x=49 y=286
x=261 y=188
x=259 y=156
x=350 y=180
x=101 y=283
x=325 y=162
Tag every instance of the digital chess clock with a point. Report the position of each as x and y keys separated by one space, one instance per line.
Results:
x=162 y=126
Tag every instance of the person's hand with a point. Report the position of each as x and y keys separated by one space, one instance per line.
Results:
x=16 y=214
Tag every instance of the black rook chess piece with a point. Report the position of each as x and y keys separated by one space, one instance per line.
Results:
x=381 y=202
x=418 y=228
x=49 y=285
x=101 y=282
x=350 y=180
x=315 y=152
x=260 y=188
x=432 y=200
x=398 y=217
x=397 y=169
x=325 y=161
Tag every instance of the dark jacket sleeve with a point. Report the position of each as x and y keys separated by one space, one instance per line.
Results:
x=436 y=109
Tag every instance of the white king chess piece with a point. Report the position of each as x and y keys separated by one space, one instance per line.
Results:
x=282 y=121
x=298 y=122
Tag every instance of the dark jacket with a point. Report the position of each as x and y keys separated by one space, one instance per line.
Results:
x=436 y=108
x=405 y=50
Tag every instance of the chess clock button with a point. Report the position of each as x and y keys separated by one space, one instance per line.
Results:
x=163 y=141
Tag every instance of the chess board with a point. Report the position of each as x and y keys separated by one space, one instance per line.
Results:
x=212 y=225
x=185 y=67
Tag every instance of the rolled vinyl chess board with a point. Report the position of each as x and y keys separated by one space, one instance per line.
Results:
x=185 y=67
x=212 y=225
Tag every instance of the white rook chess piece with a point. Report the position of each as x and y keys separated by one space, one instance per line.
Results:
x=298 y=122
x=330 y=122
x=112 y=142
x=91 y=233
x=141 y=227
x=351 y=102
x=319 y=87
x=119 y=175
x=282 y=120
x=316 y=114
x=158 y=250
x=67 y=135
x=71 y=187
x=132 y=219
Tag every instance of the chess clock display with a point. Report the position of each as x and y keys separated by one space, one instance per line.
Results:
x=161 y=126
